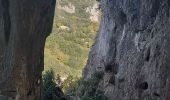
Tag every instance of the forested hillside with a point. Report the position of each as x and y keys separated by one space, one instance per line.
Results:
x=74 y=30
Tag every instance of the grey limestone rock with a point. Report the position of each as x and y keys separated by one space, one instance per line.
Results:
x=24 y=26
x=132 y=48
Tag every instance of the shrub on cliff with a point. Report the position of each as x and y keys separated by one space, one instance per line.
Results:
x=69 y=84
x=50 y=90
x=88 y=89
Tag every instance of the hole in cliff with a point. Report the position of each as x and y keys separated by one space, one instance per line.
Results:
x=112 y=80
x=29 y=93
x=147 y=55
x=66 y=51
x=111 y=67
x=143 y=86
x=122 y=17
x=156 y=94
x=121 y=80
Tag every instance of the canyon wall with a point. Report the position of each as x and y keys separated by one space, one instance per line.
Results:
x=132 y=50
x=24 y=26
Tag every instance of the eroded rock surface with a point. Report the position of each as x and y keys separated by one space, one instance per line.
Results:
x=132 y=49
x=24 y=26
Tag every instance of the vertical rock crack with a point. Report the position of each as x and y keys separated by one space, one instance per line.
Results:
x=7 y=19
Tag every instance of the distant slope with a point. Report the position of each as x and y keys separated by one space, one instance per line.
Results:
x=73 y=34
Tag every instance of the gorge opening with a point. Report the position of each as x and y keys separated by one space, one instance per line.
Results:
x=75 y=26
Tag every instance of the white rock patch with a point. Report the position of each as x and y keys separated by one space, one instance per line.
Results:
x=94 y=12
x=70 y=8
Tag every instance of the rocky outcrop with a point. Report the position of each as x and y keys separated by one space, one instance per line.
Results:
x=94 y=12
x=132 y=49
x=70 y=8
x=24 y=26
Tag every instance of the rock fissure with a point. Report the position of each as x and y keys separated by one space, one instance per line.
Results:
x=7 y=19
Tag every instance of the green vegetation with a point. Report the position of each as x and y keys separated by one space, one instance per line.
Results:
x=50 y=91
x=78 y=88
x=66 y=52
x=67 y=48
x=88 y=89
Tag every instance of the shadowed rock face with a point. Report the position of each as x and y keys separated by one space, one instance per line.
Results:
x=24 y=26
x=133 y=50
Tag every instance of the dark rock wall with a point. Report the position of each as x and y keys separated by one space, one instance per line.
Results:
x=132 y=48
x=24 y=26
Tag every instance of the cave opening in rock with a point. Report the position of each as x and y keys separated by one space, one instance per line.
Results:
x=75 y=26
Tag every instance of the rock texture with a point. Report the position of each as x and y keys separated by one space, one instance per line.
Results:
x=24 y=26
x=94 y=12
x=132 y=49
x=70 y=8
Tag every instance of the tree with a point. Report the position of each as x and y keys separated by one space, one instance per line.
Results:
x=50 y=90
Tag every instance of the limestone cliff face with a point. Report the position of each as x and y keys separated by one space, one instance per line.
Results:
x=24 y=26
x=132 y=49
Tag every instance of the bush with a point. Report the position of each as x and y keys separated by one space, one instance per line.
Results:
x=69 y=84
x=76 y=87
x=88 y=89
x=50 y=91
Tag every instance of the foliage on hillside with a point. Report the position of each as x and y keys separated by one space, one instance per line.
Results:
x=86 y=89
x=73 y=34
x=50 y=91
x=73 y=88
